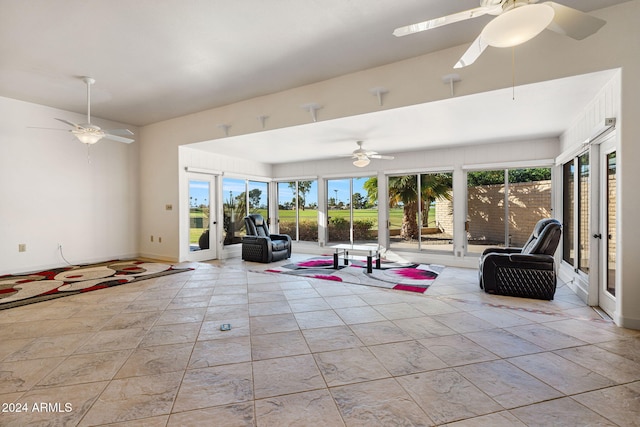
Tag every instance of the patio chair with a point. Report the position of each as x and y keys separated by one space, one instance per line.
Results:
x=261 y=246
x=523 y=272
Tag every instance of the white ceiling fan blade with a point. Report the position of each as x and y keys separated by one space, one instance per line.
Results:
x=69 y=123
x=39 y=127
x=121 y=132
x=381 y=156
x=473 y=52
x=438 y=22
x=572 y=22
x=118 y=138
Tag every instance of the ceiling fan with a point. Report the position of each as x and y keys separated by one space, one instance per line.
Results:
x=516 y=22
x=362 y=157
x=89 y=133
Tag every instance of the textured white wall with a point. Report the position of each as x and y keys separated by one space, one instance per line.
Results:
x=51 y=192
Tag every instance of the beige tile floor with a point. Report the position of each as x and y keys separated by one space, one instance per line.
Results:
x=309 y=352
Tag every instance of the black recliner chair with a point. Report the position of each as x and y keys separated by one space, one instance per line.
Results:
x=261 y=246
x=523 y=272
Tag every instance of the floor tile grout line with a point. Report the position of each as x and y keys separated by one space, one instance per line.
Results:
x=528 y=310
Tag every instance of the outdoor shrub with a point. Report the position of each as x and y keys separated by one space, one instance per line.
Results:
x=362 y=229
x=287 y=228
x=338 y=229
x=308 y=231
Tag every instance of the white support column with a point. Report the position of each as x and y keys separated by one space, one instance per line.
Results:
x=383 y=210
x=459 y=212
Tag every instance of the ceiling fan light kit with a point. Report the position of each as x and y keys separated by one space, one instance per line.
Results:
x=88 y=133
x=362 y=157
x=361 y=162
x=518 y=25
x=516 y=22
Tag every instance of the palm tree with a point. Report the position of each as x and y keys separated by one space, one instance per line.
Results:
x=403 y=191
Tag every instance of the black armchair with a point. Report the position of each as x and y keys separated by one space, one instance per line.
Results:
x=523 y=272
x=261 y=246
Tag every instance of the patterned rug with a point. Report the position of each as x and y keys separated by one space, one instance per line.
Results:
x=17 y=290
x=391 y=275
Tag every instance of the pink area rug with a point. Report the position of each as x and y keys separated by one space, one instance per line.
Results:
x=391 y=275
x=17 y=290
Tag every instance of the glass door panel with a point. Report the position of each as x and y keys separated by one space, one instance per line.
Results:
x=404 y=231
x=486 y=195
x=234 y=209
x=307 y=211
x=202 y=223
x=259 y=200
x=568 y=212
x=610 y=213
x=338 y=210
x=437 y=212
x=298 y=210
x=287 y=212
x=364 y=205
x=529 y=201
x=199 y=214
x=606 y=237
x=583 y=213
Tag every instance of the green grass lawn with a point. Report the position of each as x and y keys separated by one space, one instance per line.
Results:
x=395 y=215
x=311 y=215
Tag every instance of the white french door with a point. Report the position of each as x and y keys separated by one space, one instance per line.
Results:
x=203 y=229
x=607 y=235
x=589 y=224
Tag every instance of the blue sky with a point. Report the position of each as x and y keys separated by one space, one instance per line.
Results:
x=342 y=185
x=199 y=190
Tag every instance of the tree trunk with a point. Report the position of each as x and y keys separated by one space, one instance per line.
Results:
x=409 y=228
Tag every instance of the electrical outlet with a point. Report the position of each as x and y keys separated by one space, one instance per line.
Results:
x=152 y=237
x=22 y=247
x=159 y=239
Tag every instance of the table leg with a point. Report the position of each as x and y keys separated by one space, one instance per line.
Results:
x=378 y=261
x=346 y=257
x=369 y=264
x=335 y=260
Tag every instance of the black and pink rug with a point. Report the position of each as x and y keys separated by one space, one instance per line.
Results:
x=17 y=290
x=391 y=275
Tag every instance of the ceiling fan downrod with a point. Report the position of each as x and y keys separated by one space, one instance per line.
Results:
x=89 y=81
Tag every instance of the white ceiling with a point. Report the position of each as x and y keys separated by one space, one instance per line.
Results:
x=158 y=59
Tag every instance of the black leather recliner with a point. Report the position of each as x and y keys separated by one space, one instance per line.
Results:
x=523 y=272
x=261 y=246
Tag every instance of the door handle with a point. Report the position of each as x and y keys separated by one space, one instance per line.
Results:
x=597 y=236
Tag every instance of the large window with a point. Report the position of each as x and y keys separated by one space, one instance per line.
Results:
x=575 y=202
x=352 y=210
x=421 y=211
x=611 y=213
x=568 y=200
x=504 y=205
x=583 y=213
x=199 y=214
x=259 y=198
x=298 y=209
x=241 y=197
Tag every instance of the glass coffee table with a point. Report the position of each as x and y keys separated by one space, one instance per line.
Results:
x=371 y=251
